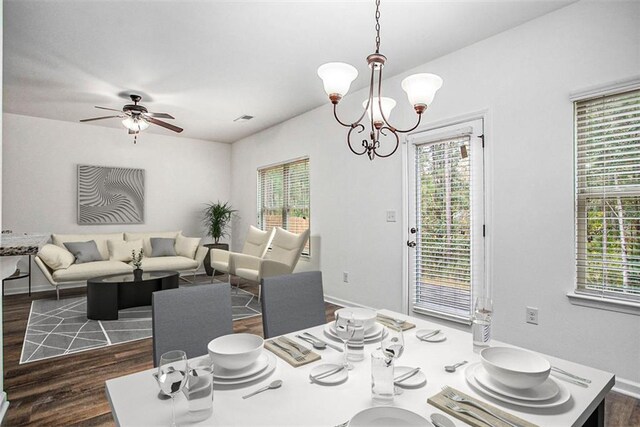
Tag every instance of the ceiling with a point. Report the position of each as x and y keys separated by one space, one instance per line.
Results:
x=208 y=62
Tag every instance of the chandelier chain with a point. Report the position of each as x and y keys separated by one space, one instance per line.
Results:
x=377 y=26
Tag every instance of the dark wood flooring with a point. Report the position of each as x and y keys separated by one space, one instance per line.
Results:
x=70 y=390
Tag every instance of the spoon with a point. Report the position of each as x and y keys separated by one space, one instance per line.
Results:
x=452 y=368
x=273 y=385
x=319 y=345
x=440 y=420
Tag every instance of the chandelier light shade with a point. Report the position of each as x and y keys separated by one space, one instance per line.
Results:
x=337 y=77
x=135 y=124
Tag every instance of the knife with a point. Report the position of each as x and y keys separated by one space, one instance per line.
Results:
x=328 y=373
x=406 y=376
x=429 y=335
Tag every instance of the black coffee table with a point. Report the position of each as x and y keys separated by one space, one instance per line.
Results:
x=108 y=294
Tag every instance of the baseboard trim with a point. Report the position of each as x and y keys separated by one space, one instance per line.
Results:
x=4 y=405
x=344 y=302
x=627 y=387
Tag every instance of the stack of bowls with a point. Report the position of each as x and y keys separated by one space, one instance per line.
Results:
x=235 y=351
x=515 y=368
x=365 y=315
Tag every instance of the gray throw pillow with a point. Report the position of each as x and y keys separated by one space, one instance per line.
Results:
x=84 y=251
x=163 y=246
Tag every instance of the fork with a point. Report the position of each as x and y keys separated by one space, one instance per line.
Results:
x=461 y=410
x=450 y=394
x=299 y=357
x=302 y=349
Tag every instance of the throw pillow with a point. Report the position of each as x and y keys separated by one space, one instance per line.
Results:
x=163 y=246
x=120 y=250
x=84 y=251
x=187 y=246
x=55 y=257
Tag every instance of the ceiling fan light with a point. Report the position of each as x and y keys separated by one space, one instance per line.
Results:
x=135 y=125
x=387 y=106
x=421 y=88
x=337 y=78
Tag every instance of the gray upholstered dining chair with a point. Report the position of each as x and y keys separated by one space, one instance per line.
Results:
x=292 y=302
x=188 y=318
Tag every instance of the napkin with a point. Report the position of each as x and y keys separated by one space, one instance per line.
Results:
x=310 y=357
x=439 y=401
x=386 y=321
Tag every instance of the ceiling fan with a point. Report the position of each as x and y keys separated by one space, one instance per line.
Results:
x=136 y=117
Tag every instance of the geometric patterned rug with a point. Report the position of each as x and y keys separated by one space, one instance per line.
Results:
x=60 y=327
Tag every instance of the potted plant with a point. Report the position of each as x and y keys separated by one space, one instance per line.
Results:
x=216 y=218
x=137 y=263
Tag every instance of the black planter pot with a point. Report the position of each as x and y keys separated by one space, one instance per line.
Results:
x=207 y=259
x=137 y=274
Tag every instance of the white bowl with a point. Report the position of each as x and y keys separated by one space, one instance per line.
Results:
x=235 y=351
x=365 y=315
x=515 y=368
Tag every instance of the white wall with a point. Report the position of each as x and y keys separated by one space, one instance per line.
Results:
x=39 y=177
x=523 y=78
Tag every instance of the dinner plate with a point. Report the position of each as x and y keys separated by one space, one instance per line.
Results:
x=259 y=365
x=440 y=336
x=545 y=391
x=562 y=397
x=388 y=416
x=336 y=378
x=372 y=332
x=271 y=366
x=328 y=332
x=417 y=380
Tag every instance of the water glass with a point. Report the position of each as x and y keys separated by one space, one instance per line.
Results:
x=382 y=387
x=345 y=331
x=356 y=343
x=172 y=374
x=199 y=389
x=481 y=326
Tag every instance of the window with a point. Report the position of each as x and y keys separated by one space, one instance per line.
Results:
x=607 y=138
x=283 y=197
x=449 y=215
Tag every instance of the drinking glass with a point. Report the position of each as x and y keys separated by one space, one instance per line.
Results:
x=382 y=388
x=481 y=326
x=393 y=346
x=356 y=343
x=199 y=389
x=172 y=374
x=345 y=330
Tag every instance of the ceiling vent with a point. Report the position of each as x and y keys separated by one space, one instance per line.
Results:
x=244 y=118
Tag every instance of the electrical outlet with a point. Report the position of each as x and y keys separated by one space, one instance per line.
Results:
x=345 y=277
x=532 y=315
x=391 y=216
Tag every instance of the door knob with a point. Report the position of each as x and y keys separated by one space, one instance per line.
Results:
x=411 y=243
x=413 y=230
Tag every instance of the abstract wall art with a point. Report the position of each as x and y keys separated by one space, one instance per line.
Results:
x=110 y=195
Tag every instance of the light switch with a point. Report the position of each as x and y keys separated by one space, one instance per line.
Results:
x=391 y=216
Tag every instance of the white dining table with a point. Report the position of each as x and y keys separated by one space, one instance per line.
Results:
x=299 y=402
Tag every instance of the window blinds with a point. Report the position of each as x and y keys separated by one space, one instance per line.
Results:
x=607 y=133
x=283 y=197
x=443 y=242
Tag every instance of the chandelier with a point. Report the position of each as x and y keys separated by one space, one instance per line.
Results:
x=337 y=77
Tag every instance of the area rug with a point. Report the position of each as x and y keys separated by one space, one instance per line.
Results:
x=60 y=327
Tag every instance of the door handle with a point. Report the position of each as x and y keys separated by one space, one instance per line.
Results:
x=413 y=230
x=411 y=243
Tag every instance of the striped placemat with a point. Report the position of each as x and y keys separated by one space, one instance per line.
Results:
x=388 y=321
x=440 y=401
x=278 y=345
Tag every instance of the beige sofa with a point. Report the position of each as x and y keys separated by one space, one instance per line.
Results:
x=59 y=267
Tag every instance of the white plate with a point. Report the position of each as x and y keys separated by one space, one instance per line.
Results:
x=545 y=391
x=271 y=366
x=440 y=336
x=336 y=378
x=228 y=374
x=372 y=332
x=328 y=332
x=562 y=397
x=418 y=380
x=387 y=416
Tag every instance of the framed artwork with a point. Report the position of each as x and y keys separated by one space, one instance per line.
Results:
x=110 y=195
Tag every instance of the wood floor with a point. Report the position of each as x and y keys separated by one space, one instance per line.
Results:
x=70 y=390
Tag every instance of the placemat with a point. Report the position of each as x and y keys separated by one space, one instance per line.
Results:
x=439 y=401
x=388 y=321
x=309 y=356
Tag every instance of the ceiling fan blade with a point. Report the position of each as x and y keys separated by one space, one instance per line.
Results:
x=98 y=118
x=159 y=115
x=110 y=109
x=164 y=124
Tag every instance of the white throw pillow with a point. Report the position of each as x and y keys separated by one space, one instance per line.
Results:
x=56 y=257
x=187 y=246
x=121 y=251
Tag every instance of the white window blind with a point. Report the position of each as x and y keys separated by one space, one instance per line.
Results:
x=607 y=134
x=443 y=282
x=283 y=197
